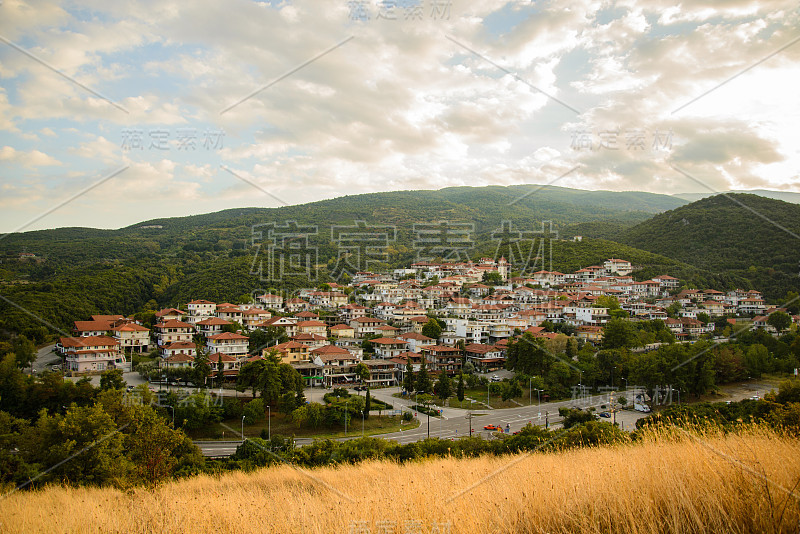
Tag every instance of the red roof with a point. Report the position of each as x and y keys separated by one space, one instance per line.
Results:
x=211 y=321
x=131 y=327
x=302 y=324
x=387 y=341
x=227 y=335
x=174 y=323
x=176 y=358
x=179 y=345
x=330 y=350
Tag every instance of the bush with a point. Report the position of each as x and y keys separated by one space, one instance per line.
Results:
x=232 y=409
x=254 y=411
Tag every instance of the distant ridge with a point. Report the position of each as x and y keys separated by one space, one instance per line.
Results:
x=786 y=196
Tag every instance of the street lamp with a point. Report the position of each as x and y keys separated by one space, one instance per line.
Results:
x=345 y=416
x=269 y=425
x=362 y=423
x=470 y=416
x=626 y=383
x=530 y=392
x=242 y=429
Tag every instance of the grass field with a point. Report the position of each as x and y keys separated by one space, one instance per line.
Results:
x=283 y=426
x=669 y=483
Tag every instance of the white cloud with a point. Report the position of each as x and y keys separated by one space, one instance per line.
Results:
x=28 y=159
x=399 y=106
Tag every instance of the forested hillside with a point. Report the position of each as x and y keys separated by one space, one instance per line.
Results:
x=741 y=234
x=79 y=271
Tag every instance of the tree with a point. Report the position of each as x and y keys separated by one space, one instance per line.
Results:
x=460 y=388
x=792 y=303
x=444 y=386
x=112 y=380
x=606 y=301
x=249 y=376
x=528 y=355
x=423 y=379
x=262 y=338
x=509 y=390
x=492 y=278
x=779 y=320
x=201 y=369
x=88 y=431
x=409 y=380
x=24 y=349
x=756 y=360
x=254 y=411
x=197 y=411
x=673 y=309
x=286 y=403
x=704 y=318
x=574 y=416
x=154 y=447
x=311 y=415
x=432 y=329
x=362 y=371
x=619 y=333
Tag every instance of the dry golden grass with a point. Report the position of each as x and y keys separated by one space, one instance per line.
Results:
x=669 y=483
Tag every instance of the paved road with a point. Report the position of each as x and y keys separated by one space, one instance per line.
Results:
x=455 y=422
x=45 y=359
x=217 y=449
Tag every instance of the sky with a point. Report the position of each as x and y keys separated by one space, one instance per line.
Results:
x=112 y=113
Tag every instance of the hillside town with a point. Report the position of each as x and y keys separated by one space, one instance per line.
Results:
x=480 y=307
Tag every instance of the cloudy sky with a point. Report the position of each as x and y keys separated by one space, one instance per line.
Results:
x=116 y=112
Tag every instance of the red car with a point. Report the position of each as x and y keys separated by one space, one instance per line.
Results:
x=491 y=427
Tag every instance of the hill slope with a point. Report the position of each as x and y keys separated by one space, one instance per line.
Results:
x=745 y=234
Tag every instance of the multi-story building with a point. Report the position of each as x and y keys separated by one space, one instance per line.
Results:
x=90 y=353
x=200 y=310
x=132 y=337
x=173 y=331
x=235 y=345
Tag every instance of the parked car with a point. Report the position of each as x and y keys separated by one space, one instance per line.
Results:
x=491 y=427
x=605 y=414
x=495 y=378
x=56 y=368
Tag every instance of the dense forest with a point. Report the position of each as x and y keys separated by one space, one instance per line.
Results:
x=744 y=235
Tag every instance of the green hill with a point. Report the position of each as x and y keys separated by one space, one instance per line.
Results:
x=746 y=235
x=81 y=271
